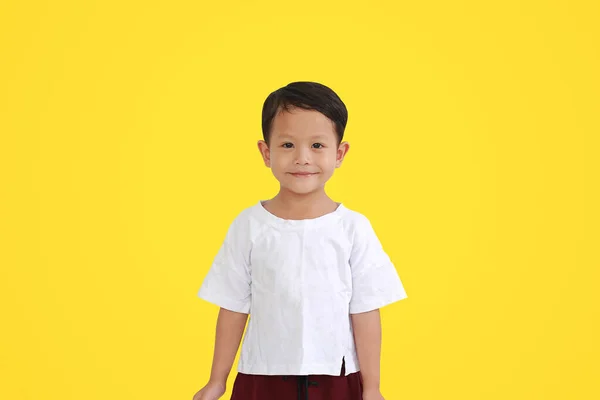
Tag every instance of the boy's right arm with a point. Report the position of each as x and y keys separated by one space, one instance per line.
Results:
x=230 y=328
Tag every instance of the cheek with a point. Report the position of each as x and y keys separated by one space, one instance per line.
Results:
x=278 y=162
x=328 y=160
x=275 y=158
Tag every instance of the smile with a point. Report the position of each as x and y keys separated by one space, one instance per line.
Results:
x=303 y=175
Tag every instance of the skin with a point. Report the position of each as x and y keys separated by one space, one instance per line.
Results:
x=300 y=141
x=367 y=336
x=230 y=327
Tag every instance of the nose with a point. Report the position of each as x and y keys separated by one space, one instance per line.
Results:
x=302 y=156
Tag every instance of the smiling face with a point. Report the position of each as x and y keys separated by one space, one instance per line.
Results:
x=303 y=150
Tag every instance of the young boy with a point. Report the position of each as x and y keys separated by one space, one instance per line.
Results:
x=310 y=272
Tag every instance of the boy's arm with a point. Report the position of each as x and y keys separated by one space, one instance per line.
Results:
x=367 y=335
x=230 y=327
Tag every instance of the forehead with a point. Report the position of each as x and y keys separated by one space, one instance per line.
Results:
x=299 y=123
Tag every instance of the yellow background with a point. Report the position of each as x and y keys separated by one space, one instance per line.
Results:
x=128 y=144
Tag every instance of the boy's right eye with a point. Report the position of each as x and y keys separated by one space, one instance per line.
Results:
x=285 y=145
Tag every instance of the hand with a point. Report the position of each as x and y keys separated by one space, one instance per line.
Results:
x=372 y=394
x=212 y=391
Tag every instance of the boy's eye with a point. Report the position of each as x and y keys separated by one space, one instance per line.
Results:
x=289 y=145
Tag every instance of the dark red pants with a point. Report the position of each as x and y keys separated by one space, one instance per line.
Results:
x=312 y=387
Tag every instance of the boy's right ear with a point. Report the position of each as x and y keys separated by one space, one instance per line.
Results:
x=265 y=152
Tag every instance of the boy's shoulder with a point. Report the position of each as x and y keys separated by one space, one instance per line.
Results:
x=352 y=215
x=246 y=216
x=355 y=221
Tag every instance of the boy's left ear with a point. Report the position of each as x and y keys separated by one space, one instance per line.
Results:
x=341 y=153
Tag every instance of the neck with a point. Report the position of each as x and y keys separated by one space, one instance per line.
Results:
x=308 y=205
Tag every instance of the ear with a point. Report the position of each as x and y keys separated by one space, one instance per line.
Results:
x=265 y=152
x=342 y=150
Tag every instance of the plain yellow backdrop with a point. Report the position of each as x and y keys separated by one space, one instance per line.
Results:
x=128 y=144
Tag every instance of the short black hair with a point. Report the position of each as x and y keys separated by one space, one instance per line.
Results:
x=309 y=96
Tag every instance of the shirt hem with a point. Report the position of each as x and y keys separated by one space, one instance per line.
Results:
x=376 y=305
x=285 y=369
x=223 y=302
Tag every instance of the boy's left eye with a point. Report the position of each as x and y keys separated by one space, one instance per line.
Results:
x=318 y=144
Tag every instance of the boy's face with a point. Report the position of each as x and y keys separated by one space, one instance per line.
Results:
x=303 y=151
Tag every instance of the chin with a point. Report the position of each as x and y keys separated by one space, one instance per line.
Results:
x=302 y=189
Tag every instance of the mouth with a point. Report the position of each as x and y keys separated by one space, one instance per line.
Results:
x=302 y=174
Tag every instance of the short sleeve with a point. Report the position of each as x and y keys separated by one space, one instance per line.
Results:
x=375 y=281
x=228 y=281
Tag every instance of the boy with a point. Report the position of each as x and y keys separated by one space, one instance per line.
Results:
x=310 y=272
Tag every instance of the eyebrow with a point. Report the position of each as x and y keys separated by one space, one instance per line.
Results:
x=286 y=136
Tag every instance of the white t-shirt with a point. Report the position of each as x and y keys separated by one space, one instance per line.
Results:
x=300 y=280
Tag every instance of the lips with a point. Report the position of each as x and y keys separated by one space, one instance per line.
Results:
x=302 y=174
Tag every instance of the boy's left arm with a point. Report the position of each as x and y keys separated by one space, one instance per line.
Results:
x=367 y=335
